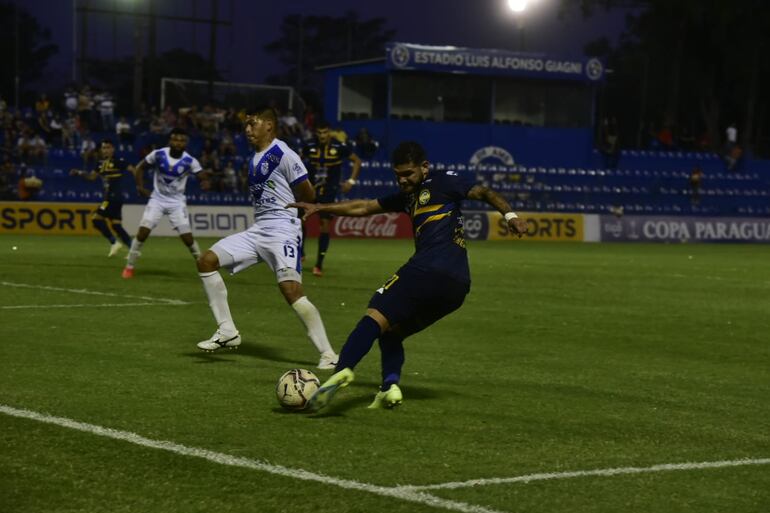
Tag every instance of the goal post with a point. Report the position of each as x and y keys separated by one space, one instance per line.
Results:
x=183 y=92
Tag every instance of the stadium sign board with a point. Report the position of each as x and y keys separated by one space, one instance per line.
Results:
x=684 y=229
x=453 y=59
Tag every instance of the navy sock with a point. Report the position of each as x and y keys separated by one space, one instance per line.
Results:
x=360 y=341
x=100 y=225
x=323 y=245
x=392 y=352
x=124 y=236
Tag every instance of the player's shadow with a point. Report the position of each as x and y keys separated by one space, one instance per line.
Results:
x=343 y=404
x=248 y=349
x=271 y=353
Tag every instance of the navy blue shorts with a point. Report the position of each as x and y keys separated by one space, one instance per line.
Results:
x=414 y=299
x=326 y=194
x=111 y=209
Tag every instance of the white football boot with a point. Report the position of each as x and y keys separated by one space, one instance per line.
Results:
x=328 y=361
x=219 y=341
x=115 y=248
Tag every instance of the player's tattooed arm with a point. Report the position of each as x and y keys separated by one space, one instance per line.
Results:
x=353 y=208
x=487 y=195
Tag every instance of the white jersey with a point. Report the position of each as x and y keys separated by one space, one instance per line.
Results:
x=171 y=174
x=272 y=175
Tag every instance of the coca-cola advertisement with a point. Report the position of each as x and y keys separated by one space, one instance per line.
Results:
x=379 y=226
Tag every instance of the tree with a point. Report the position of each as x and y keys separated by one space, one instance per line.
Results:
x=23 y=43
x=702 y=60
x=308 y=42
x=117 y=75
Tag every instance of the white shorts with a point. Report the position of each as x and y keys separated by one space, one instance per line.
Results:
x=276 y=243
x=176 y=212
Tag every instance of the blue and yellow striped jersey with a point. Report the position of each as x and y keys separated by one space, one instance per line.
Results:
x=112 y=172
x=437 y=222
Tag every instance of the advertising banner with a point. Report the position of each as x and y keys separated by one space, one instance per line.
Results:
x=379 y=226
x=46 y=218
x=684 y=229
x=220 y=221
x=540 y=226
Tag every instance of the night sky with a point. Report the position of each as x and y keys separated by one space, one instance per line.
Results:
x=472 y=23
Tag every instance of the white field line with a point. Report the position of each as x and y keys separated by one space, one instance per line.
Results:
x=235 y=461
x=89 y=305
x=156 y=300
x=606 y=472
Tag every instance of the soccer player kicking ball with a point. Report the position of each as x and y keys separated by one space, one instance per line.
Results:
x=276 y=177
x=431 y=285
x=172 y=166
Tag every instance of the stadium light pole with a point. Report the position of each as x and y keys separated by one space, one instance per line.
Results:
x=518 y=7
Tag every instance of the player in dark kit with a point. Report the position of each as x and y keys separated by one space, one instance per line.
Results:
x=324 y=157
x=111 y=171
x=431 y=285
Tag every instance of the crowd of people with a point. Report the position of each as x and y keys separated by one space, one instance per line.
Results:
x=81 y=117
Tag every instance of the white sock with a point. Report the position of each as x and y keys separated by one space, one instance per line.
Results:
x=216 y=291
x=312 y=321
x=195 y=250
x=133 y=252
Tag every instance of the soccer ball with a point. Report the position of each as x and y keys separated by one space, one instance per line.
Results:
x=295 y=388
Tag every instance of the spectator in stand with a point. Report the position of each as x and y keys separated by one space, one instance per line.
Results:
x=143 y=119
x=610 y=144
x=206 y=122
x=169 y=118
x=209 y=157
x=666 y=137
x=733 y=152
x=24 y=146
x=696 y=181
x=227 y=144
x=7 y=179
x=42 y=105
x=107 y=111
x=290 y=124
x=29 y=185
x=69 y=132
x=229 y=178
x=157 y=125
x=43 y=125
x=70 y=101
x=88 y=150
x=125 y=135
x=85 y=108
x=56 y=127
x=38 y=149
x=366 y=147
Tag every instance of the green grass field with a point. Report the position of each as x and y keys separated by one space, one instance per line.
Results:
x=565 y=357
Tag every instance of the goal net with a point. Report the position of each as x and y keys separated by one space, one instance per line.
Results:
x=182 y=92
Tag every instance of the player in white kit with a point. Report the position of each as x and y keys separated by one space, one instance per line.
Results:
x=172 y=166
x=276 y=177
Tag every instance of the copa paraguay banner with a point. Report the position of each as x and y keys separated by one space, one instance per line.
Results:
x=684 y=229
x=46 y=218
x=540 y=226
x=453 y=59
